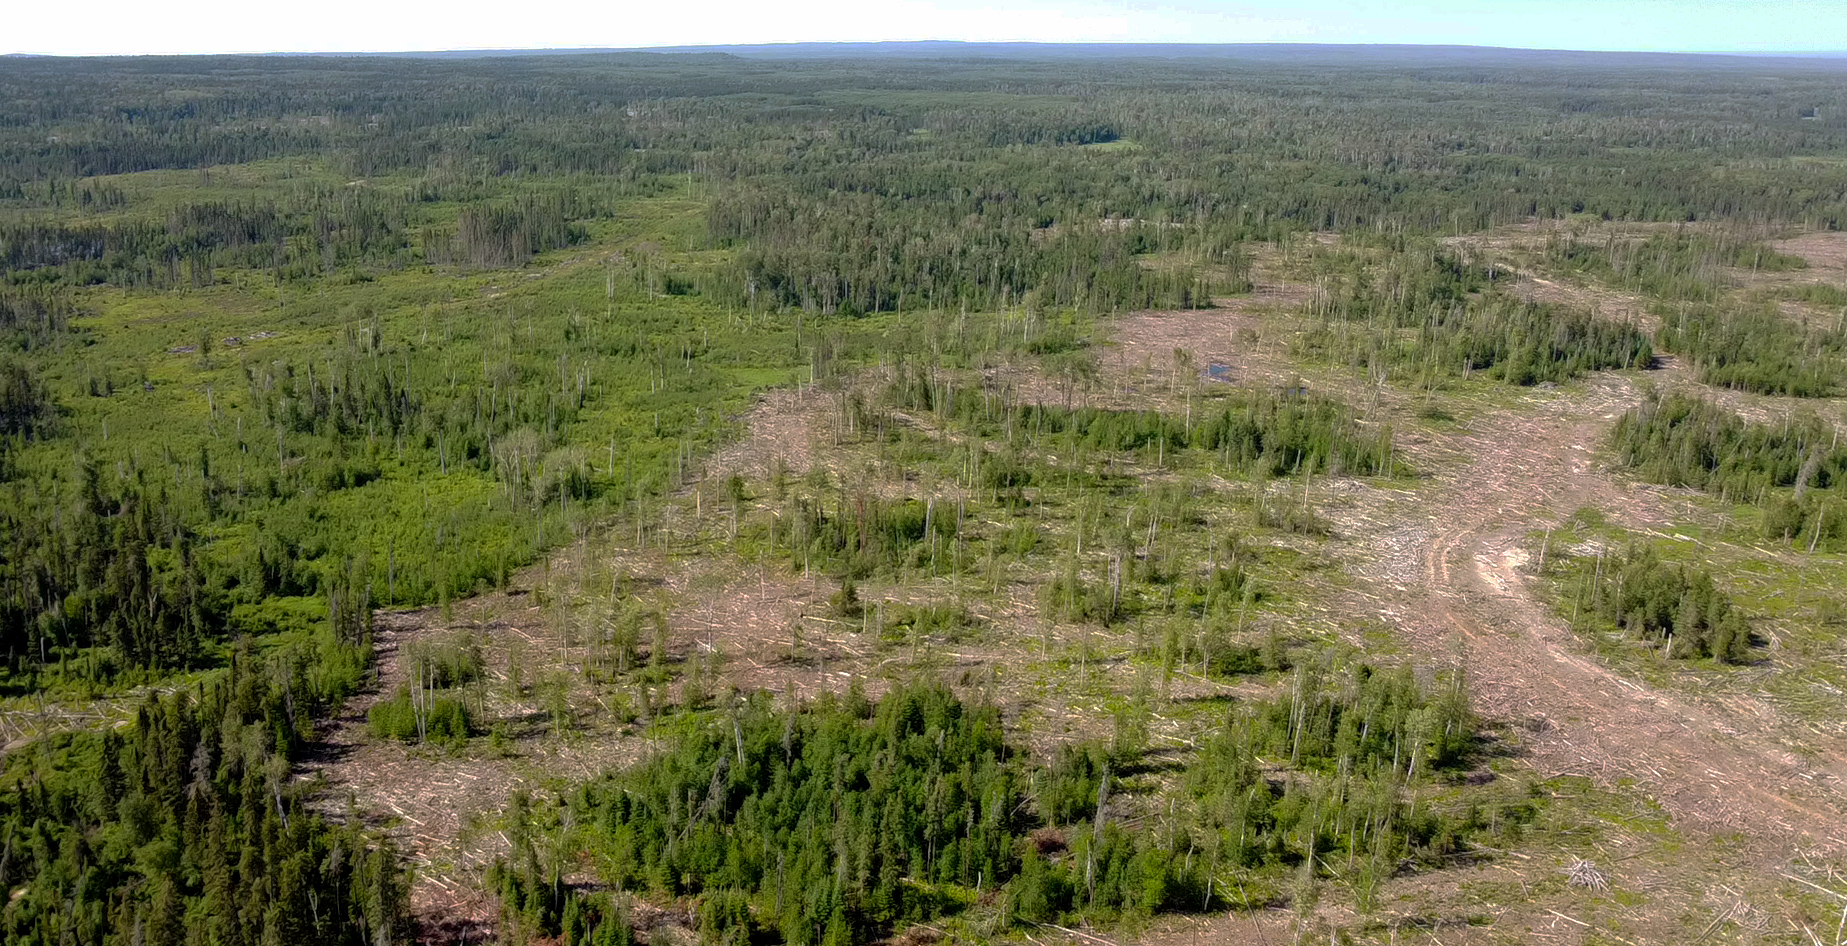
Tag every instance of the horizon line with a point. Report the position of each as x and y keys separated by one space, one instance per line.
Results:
x=671 y=48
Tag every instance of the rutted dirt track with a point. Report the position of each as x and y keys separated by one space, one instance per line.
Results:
x=1532 y=468
x=1452 y=575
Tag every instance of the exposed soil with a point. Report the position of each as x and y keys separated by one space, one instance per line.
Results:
x=750 y=627
x=1824 y=251
x=1450 y=568
x=1445 y=563
x=1532 y=468
x=441 y=807
x=1240 y=335
x=444 y=808
x=782 y=431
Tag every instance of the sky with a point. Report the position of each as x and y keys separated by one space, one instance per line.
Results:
x=129 y=27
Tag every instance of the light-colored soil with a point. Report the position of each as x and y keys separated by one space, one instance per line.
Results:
x=1826 y=255
x=1240 y=334
x=737 y=621
x=443 y=808
x=1532 y=468
x=1825 y=252
x=1448 y=566
x=785 y=429
x=1444 y=563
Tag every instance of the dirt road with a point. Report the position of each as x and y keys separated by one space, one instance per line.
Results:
x=1452 y=575
x=1530 y=468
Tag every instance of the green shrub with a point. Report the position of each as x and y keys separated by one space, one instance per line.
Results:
x=446 y=721
x=1754 y=349
x=1654 y=601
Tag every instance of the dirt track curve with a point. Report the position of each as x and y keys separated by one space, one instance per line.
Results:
x=1449 y=570
x=1532 y=468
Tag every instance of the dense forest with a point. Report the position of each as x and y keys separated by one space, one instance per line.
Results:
x=286 y=340
x=186 y=827
x=1652 y=601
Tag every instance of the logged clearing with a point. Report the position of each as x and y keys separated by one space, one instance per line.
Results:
x=1446 y=564
x=703 y=500
x=1825 y=252
x=1530 y=471
x=733 y=626
x=785 y=429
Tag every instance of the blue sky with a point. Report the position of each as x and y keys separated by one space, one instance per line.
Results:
x=137 y=26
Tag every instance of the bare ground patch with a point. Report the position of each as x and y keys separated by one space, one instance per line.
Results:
x=444 y=807
x=1238 y=335
x=1527 y=469
x=732 y=626
x=1824 y=251
x=1447 y=566
x=1168 y=358
x=785 y=429
x=1826 y=256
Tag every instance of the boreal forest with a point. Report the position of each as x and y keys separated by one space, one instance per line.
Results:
x=942 y=494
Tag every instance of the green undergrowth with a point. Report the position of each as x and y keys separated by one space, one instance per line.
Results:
x=1069 y=510
x=1620 y=593
x=418 y=434
x=1789 y=603
x=1755 y=348
x=286 y=340
x=1793 y=472
x=172 y=825
x=1681 y=264
x=1428 y=316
